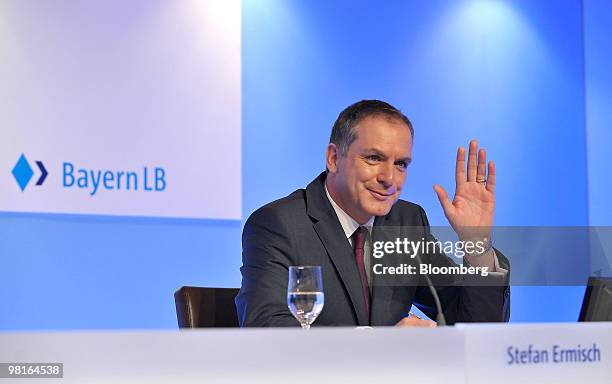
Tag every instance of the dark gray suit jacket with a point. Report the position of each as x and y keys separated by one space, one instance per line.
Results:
x=303 y=229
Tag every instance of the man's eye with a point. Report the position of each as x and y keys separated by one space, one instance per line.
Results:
x=373 y=158
x=402 y=164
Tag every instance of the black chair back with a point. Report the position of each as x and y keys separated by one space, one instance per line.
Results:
x=201 y=307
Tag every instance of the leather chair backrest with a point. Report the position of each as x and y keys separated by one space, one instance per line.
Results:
x=202 y=307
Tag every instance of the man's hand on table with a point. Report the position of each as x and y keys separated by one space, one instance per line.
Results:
x=413 y=320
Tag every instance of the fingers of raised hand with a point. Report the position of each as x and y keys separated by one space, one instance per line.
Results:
x=491 y=177
x=481 y=173
x=477 y=167
x=472 y=161
x=460 y=176
x=445 y=201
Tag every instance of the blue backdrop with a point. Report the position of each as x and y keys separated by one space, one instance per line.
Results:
x=527 y=79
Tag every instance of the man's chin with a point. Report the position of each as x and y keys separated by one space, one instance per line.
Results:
x=381 y=210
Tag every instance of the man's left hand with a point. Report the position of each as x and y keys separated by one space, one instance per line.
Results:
x=471 y=211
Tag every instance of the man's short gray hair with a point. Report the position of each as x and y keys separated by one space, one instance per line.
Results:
x=343 y=133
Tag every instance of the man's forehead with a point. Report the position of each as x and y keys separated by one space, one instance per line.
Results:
x=379 y=125
x=380 y=133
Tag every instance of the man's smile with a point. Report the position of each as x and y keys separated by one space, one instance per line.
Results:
x=381 y=196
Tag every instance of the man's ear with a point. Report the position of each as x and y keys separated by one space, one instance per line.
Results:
x=331 y=158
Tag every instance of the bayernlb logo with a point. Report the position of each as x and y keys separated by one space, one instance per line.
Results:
x=23 y=172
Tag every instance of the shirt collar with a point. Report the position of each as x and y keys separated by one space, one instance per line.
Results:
x=349 y=225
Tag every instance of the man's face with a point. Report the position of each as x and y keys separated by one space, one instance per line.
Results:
x=367 y=181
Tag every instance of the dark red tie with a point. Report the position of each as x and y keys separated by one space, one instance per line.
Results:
x=359 y=237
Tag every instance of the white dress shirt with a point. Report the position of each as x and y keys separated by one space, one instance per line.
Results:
x=349 y=226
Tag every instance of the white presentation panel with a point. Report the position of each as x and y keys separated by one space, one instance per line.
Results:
x=131 y=108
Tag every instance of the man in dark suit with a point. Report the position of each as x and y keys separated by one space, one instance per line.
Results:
x=367 y=158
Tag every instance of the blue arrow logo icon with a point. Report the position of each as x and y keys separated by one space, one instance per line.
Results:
x=43 y=172
x=22 y=172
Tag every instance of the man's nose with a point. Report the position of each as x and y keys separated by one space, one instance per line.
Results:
x=385 y=175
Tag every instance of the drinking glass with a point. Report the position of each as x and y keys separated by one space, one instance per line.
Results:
x=305 y=293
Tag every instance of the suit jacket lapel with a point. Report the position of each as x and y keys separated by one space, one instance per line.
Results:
x=334 y=240
x=381 y=292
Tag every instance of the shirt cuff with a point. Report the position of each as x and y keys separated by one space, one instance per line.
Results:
x=497 y=269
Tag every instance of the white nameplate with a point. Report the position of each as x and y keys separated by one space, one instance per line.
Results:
x=539 y=353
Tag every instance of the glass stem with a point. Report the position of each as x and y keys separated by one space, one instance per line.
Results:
x=305 y=326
